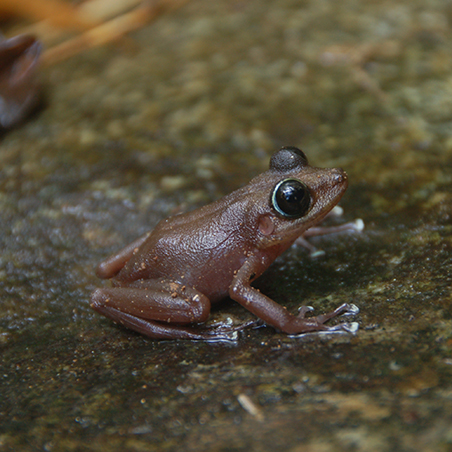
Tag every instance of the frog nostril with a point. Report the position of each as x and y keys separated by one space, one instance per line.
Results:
x=339 y=176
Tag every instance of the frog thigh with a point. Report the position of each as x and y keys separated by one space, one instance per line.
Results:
x=157 y=310
x=112 y=265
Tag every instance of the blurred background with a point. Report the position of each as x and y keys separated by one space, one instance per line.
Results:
x=119 y=114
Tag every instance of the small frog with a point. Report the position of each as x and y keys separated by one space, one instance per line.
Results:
x=169 y=278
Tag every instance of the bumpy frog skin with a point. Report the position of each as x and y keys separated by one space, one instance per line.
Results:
x=169 y=278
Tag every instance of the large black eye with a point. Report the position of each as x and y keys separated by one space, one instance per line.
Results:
x=291 y=198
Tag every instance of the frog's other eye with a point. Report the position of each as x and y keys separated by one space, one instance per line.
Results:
x=288 y=158
x=291 y=198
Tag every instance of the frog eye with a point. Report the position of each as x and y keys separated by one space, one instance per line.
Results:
x=291 y=198
x=288 y=158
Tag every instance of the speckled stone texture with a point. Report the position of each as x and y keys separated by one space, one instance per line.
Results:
x=131 y=134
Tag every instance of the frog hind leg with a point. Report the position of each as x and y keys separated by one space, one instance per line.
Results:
x=111 y=266
x=159 y=311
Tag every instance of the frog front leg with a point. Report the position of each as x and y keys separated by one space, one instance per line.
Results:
x=271 y=312
x=158 y=309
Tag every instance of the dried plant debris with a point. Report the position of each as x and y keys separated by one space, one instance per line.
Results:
x=67 y=29
x=19 y=89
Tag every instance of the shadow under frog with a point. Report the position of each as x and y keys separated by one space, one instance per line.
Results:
x=169 y=278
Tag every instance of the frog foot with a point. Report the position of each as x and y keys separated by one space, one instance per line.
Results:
x=345 y=309
x=226 y=331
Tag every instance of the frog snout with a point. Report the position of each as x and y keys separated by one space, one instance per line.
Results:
x=339 y=176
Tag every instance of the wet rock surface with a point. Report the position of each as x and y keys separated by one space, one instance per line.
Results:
x=131 y=135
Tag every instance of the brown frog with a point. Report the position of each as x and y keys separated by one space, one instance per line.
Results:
x=169 y=278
